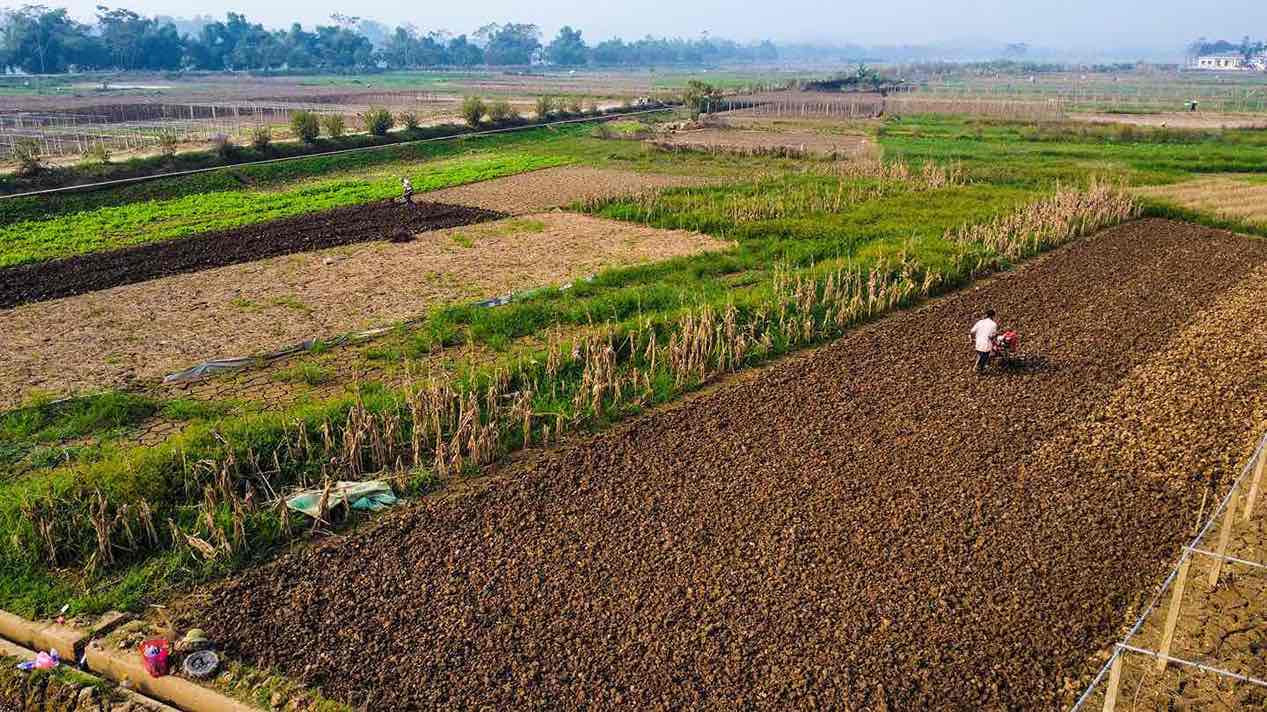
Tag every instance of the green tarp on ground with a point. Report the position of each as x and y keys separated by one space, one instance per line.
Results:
x=372 y=496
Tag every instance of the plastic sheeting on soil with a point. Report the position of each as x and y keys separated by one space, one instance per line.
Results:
x=373 y=496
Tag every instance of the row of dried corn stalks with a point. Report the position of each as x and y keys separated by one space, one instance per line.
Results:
x=1068 y=214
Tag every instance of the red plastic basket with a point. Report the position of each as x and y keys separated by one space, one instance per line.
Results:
x=154 y=656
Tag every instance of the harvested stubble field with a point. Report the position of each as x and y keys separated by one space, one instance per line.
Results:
x=555 y=187
x=756 y=142
x=866 y=526
x=91 y=272
x=1229 y=197
x=1177 y=120
x=144 y=331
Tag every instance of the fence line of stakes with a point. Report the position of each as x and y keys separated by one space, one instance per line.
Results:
x=138 y=126
x=1251 y=474
x=1105 y=95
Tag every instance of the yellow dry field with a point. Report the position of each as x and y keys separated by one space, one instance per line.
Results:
x=554 y=187
x=840 y=127
x=742 y=141
x=141 y=332
x=1224 y=196
x=1178 y=120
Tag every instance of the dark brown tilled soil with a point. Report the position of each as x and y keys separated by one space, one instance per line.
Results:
x=867 y=526
x=383 y=220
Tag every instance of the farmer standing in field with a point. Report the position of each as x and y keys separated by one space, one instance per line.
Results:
x=408 y=188
x=983 y=333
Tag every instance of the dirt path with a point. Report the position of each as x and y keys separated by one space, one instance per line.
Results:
x=144 y=331
x=867 y=526
x=536 y=191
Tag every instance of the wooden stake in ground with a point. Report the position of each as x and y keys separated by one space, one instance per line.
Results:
x=1196 y=527
x=1115 y=680
x=1255 y=483
x=1172 y=615
x=1225 y=533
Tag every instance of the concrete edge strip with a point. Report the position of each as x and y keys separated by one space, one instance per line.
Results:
x=10 y=649
x=170 y=692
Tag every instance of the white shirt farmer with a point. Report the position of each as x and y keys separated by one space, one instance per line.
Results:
x=984 y=332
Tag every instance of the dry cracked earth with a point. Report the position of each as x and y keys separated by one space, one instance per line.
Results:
x=864 y=526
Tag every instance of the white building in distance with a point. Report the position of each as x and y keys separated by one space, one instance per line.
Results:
x=1230 y=62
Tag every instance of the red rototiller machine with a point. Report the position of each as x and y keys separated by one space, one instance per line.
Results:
x=1007 y=353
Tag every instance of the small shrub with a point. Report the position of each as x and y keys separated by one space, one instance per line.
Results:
x=408 y=119
x=699 y=96
x=545 y=107
x=305 y=125
x=378 y=121
x=335 y=125
x=224 y=145
x=473 y=111
x=97 y=154
x=261 y=138
x=26 y=153
x=602 y=131
x=501 y=111
x=168 y=141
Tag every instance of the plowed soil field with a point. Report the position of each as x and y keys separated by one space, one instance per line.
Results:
x=865 y=526
x=1178 y=120
x=328 y=228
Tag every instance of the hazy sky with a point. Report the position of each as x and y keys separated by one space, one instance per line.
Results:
x=1079 y=24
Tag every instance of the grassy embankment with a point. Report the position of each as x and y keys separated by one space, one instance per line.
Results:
x=817 y=251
